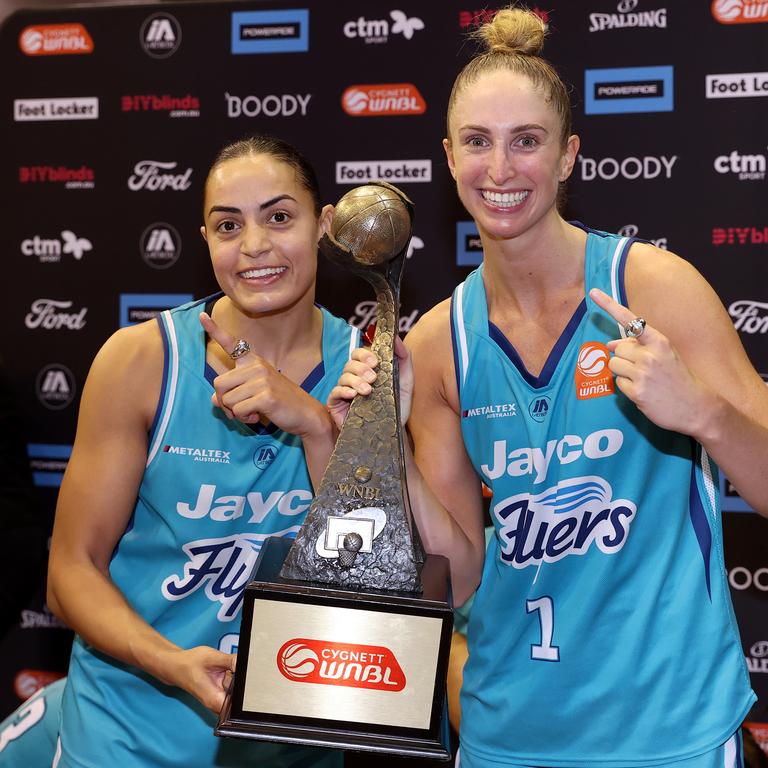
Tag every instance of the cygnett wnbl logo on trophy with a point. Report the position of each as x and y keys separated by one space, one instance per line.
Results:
x=346 y=631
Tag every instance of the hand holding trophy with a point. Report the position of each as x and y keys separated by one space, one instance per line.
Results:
x=346 y=631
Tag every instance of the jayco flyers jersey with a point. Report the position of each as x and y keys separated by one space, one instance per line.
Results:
x=213 y=490
x=28 y=735
x=602 y=632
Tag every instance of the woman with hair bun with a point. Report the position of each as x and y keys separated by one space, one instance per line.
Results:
x=592 y=382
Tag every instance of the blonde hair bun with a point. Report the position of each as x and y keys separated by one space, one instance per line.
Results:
x=513 y=30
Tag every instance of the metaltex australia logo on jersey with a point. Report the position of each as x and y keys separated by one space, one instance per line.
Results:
x=213 y=455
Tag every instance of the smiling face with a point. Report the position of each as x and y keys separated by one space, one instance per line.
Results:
x=262 y=233
x=506 y=154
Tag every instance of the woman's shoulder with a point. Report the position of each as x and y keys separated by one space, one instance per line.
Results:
x=130 y=364
x=433 y=327
x=139 y=345
x=665 y=288
x=652 y=271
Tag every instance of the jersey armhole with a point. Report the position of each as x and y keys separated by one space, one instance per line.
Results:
x=458 y=337
x=168 y=385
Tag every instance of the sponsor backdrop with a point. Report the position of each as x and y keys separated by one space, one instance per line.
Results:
x=114 y=114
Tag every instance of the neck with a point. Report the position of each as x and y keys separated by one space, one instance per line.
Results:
x=536 y=266
x=289 y=339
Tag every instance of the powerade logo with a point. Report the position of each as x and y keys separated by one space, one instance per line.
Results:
x=730 y=500
x=270 y=31
x=628 y=89
x=353 y=666
x=469 y=249
x=48 y=462
x=138 y=307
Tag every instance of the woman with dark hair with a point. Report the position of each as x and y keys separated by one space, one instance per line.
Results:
x=592 y=382
x=197 y=438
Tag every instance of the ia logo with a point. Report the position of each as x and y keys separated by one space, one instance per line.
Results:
x=160 y=35
x=160 y=245
x=265 y=453
x=55 y=386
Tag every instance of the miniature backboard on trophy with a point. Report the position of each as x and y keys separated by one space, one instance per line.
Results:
x=345 y=631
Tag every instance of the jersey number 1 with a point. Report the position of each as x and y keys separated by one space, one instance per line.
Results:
x=545 y=651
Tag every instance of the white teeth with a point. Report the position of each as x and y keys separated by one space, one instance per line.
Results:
x=264 y=272
x=504 y=198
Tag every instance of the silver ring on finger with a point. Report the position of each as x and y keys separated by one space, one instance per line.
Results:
x=242 y=347
x=634 y=328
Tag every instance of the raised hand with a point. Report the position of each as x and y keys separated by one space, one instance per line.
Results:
x=254 y=389
x=651 y=374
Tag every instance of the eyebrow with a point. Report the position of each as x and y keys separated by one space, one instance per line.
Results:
x=516 y=129
x=263 y=206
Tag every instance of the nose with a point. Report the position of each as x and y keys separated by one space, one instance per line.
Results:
x=255 y=240
x=500 y=167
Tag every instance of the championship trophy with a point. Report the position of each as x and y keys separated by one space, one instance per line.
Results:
x=345 y=631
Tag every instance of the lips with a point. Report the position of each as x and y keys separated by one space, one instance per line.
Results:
x=255 y=274
x=504 y=199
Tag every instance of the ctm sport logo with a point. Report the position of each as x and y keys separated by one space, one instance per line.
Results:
x=304 y=660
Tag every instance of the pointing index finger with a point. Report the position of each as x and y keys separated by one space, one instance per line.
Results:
x=607 y=303
x=219 y=335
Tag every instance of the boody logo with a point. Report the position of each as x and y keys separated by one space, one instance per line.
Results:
x=593 y=378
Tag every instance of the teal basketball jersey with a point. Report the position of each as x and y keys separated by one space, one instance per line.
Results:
x=213 y=490
x=28 y=735
x=602 y=633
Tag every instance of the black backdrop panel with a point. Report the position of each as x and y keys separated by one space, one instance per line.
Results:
x=114 y=113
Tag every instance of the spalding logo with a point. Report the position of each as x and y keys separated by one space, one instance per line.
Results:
x=327 y=663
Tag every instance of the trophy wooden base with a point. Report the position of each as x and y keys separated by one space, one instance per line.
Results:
x=328 y=667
